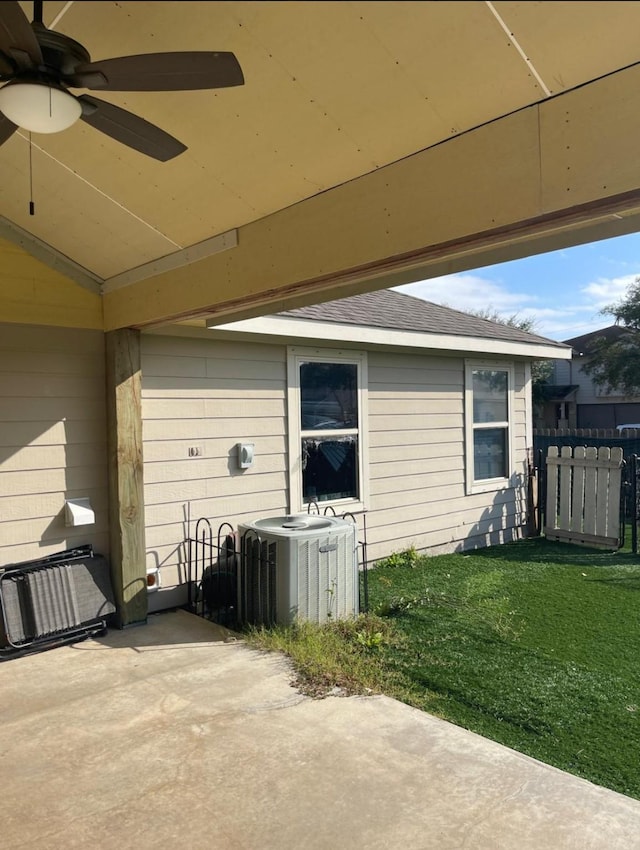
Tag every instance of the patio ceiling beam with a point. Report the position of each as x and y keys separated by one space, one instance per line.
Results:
x=551 y=175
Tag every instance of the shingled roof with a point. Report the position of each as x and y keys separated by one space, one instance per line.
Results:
x=583 y=344
x=387 y=308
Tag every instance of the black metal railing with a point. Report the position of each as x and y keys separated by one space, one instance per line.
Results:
x=630 y=502
x=212 y=573
x=232 y=580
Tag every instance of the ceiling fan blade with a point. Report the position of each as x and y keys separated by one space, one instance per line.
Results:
x=17 y=38
x=129 y=129
x=160 y=72
x=7 y=128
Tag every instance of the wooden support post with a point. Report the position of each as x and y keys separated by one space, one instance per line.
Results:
x=126 y=497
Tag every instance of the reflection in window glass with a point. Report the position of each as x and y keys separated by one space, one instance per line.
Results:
x=490 y=453
x=488 y=412
x=490 y=402
x=329 y=468
x=328 y=396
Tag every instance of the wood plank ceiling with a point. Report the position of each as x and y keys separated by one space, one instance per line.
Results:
x=334 y=91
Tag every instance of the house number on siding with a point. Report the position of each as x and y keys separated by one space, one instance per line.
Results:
x=195 y=451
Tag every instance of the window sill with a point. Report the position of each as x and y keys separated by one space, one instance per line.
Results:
x=491 y=485
x=340 y=508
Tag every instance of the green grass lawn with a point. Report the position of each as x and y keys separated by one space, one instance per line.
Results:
x=532 y=644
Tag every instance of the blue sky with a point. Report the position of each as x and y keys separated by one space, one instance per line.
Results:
x=562 y=291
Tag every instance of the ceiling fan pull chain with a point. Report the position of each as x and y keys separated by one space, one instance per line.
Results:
x=32 y=206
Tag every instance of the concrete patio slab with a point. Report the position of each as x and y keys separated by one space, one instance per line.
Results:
x=177 y=734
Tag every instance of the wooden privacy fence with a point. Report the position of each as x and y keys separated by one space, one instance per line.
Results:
x=583 y=495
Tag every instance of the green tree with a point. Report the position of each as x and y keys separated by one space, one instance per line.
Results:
x=541 y=370
x=614 y=362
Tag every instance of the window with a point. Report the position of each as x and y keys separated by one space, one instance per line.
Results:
x=488 y=425
x=327 y=432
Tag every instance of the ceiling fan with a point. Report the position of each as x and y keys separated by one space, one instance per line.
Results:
x=39 y=66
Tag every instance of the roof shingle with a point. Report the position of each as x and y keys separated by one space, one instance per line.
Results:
x=387 y=308
x=583 y=344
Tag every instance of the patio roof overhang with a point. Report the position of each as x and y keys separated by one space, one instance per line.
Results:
x=372 y=144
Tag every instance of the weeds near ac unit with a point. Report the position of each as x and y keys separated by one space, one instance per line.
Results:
x=339 y=654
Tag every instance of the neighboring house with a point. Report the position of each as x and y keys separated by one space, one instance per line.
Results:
x=573 y=400
x=381 y=403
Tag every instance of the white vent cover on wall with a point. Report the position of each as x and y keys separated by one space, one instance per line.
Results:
x=302 y=567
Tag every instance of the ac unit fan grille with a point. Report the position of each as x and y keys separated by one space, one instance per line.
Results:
x=257 y=581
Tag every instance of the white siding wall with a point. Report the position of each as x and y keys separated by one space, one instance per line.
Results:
x=52 y=439
x=416 y=459
x=198 y=393
x=207 y=394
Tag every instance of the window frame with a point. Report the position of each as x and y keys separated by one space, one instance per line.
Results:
x=295 y=357
x=485 y=485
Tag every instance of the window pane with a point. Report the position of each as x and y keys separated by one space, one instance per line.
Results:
x=490 y=453
x=490 y=396
x=329 y=395
x=329 y=468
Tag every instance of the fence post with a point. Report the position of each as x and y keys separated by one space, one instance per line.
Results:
x=633 y=464
x=541 y=492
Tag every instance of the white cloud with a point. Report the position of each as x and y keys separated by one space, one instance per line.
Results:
x=467 y=292
x=570 y=327
x=563 y=318
x=563 y=292
x=605 y=291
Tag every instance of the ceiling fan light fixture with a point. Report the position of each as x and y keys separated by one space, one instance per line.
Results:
x=39 y=107
x=39 y=66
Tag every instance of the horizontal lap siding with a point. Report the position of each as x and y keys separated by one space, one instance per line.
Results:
x=416 y=459
x=52 y=439
x=210 y=395
x=520 y=420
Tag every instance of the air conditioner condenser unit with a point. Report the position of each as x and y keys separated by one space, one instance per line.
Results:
x=297 y=567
